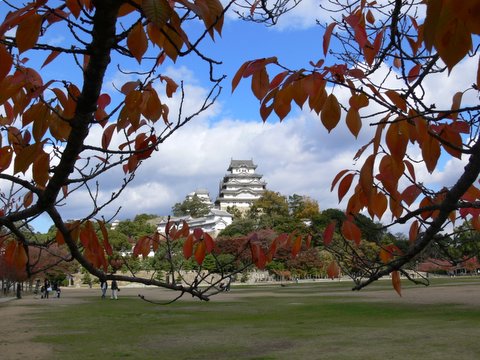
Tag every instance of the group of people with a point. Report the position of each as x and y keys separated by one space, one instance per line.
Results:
x=48 y=288
x=113 y=287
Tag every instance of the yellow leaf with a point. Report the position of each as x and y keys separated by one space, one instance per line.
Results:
x=331 y=112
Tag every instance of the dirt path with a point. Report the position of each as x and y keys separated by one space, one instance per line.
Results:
x=17 y=332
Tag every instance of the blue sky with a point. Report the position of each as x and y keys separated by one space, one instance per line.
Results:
x=295 y=156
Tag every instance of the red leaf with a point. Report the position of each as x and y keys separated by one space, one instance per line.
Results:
x=209 y=243
x=410 y=194
x=333 y=271
x=188 y=247
x=6 y=62
x=328 y=233
x=197 y=233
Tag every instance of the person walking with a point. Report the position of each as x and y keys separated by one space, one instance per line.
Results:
x=104 y=287
x=115 y=290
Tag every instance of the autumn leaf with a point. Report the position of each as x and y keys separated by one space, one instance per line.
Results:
x=410 y=194
x=396 y=282
x=6 y=62
x=296 y=246
x=397 y=100
x=328 y=233
x=137 y=42
x=333 y=271
x=413 y=232
x=351 y=231
x=260 y=83
x=40 y=170
x=28 y=32
x=200 y=252
x=157 y=11
x=188 y=247
x=6 y=155
x=327 y=36
x=354 y=123
x=344 y=186
x=330 y=115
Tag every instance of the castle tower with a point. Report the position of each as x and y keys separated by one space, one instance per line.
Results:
x=241 y=186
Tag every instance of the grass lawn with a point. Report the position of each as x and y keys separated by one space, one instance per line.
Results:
x=289 y=323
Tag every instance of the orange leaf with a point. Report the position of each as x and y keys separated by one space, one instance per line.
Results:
x=397 y=100
x=344 y=186
x=137 y=41
x=333 y=271
x=366 y=176
x=351 y=231
x=327 y=36
x=331 y=112
x=396 y=282
x=296 y=246
x=28 y=32
x=397 y=140
x=430 y=152
x=106 y=243
x=413 y=232
x=188 y=247
x=260 y=83
x=28 y=199
x=338 y=177
x=40 y=170
x=239 y=74
x=107 y=135
x=51 y=57
x=200 y=252
x=328 y=233
x=354 y=122
x=308 y=242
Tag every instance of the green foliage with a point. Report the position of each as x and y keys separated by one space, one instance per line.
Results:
x=269 y=204
x=138 y=227
x=194 y=207
x=239 y=227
